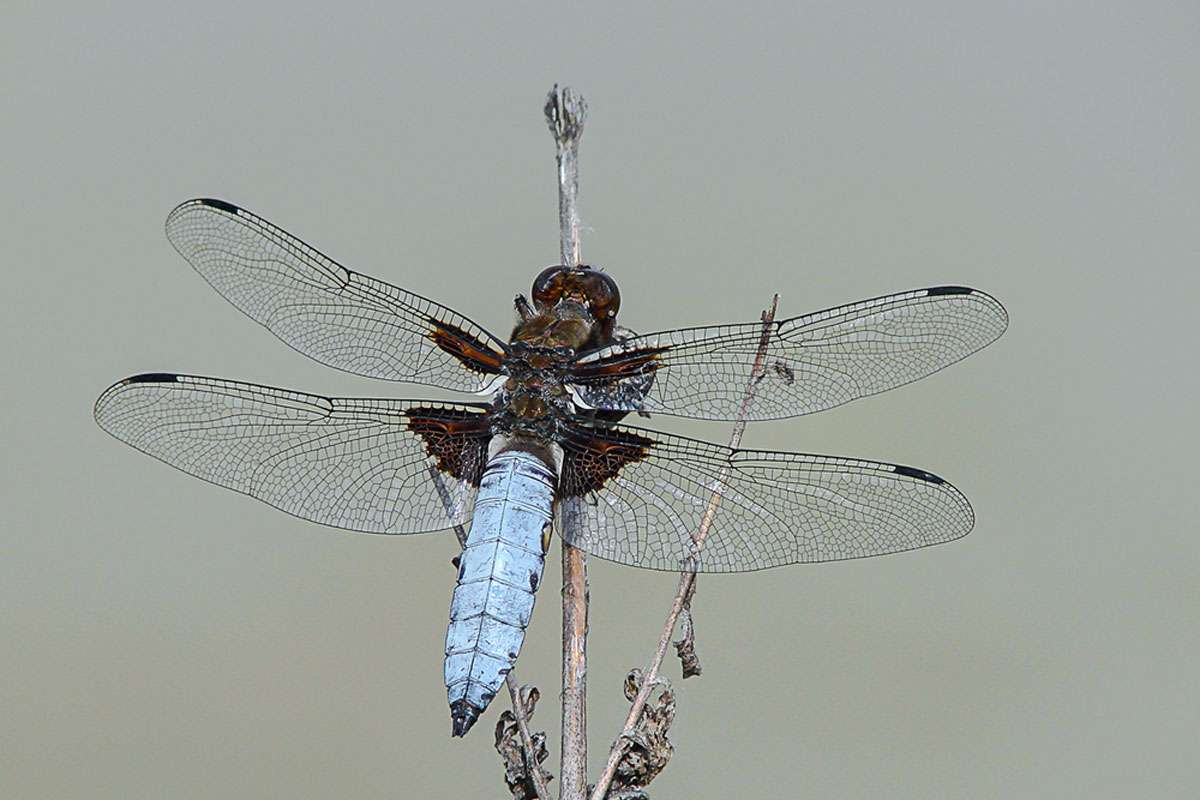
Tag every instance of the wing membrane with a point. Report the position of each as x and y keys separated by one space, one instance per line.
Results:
x=814 y=362
x=364 y=465
x=327 y=312
x=637 y=497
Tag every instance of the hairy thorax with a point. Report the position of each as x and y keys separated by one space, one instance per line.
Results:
x=542 y=349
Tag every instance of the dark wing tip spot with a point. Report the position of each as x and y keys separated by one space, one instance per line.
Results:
x=228 y=208
x=935 y=291
x=919 y=474
x=152 y=377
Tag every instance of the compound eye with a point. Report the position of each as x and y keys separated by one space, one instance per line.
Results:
x=603 y=295
x=548 y=286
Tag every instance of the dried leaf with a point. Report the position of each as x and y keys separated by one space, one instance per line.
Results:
x=648 y=750
x=685 y=648
x=517 y=775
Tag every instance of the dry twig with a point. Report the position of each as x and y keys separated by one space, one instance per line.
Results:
x=565 y=114
x=647 y=749
x=522 y=755
x=534 y=745
x=687 y=579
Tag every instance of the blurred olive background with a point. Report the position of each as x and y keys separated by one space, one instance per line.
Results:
x=166 y=638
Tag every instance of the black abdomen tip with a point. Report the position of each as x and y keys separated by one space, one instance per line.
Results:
x=462 y=717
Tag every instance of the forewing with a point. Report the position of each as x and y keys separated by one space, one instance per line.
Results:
x=813 y=362
x=325 y=311
x=638 y=497
x=381 y=466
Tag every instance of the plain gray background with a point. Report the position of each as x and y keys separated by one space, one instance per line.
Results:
x=166 y=638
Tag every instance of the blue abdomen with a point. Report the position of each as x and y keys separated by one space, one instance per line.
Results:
x=499 y=572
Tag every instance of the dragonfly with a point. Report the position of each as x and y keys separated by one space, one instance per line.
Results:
x=542 y=446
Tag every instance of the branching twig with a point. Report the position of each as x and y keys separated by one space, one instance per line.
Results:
x=518 y=710
x=565 y=114
x=531 y=750
x=522 y=753
x=687 y=578
x=647 y=750
x=447 y=503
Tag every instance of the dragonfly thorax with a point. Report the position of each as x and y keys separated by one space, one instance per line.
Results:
x=542 y=350
x=534 y=396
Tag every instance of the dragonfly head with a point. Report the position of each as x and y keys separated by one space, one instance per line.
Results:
x=591 y=288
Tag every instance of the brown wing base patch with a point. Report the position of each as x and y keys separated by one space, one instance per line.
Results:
x=474 y=354
x=456 y=438
x=591 y=457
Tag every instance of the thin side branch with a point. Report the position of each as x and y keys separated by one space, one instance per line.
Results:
x=518 y=712
x=565 y=114
x=444 y=495
x=687 y=579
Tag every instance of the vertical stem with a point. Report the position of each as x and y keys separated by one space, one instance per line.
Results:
x=573 y=770
x=565 y=114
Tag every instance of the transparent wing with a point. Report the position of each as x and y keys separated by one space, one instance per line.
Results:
x=637 y=497
x=325 y=311
x=814 y=362
x=381 y=466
